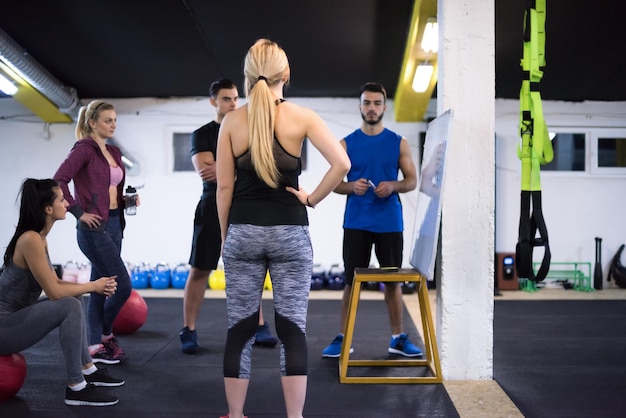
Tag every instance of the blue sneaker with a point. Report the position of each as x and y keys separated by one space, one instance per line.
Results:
x=188 y=341
x=334 y=349
x=403 y=346
x=264 y=337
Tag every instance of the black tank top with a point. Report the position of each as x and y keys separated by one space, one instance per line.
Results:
x=256 y=203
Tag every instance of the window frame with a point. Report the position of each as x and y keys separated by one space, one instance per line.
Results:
x=568 y=130
x=595 y=134
x=171 y=133
x=592 y=134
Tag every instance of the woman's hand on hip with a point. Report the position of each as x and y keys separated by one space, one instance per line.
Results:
x=301 y=194
x=91 y=219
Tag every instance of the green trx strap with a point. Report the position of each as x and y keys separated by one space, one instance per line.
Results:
x=534 y=148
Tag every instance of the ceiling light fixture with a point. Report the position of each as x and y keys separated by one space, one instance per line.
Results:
x=430 y=45
x=6 y=86
x=423 y=75
x=418 y=74
x=430 y=38
x=25 y=67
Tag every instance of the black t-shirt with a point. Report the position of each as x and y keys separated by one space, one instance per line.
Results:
x=205 y=139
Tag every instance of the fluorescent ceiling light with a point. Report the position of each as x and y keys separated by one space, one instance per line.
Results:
x=7 y=86
x=423 y=75
x=430 y=39
x=33 y=73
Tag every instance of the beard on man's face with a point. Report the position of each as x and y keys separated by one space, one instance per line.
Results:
x=371 y=121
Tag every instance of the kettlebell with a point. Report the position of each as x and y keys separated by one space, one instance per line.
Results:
x=408 y=287
x=140 y=277
x=217 y=280
x=71 y=271
x=161 y=278
x=336 y=277
x=180 y=273
x=318 y=277
x=268 y=281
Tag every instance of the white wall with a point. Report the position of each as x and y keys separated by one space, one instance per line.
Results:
x=161 y=230
x=577 y=207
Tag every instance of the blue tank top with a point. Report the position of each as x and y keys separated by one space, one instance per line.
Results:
x=374 y=158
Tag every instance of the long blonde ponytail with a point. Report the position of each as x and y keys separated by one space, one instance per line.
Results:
x=265 y=64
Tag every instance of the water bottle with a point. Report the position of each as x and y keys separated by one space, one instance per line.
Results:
x=131 y=201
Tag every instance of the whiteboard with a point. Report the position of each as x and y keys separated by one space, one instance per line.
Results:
x=429 y=198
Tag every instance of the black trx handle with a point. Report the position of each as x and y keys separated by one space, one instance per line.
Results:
x=531 y=223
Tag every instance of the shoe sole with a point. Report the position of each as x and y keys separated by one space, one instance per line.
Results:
x=105 y=361
x=335 y=355
x=402 y=353
x=108 y=384
x=72 y=402
x=192 y=349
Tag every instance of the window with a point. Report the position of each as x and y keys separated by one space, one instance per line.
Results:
x=181 y=143
x=181 y=150
x=608 y=151
x=569 y=153
x=611 y=152
x=596 y=151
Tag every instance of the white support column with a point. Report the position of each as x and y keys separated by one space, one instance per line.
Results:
x=467 y=86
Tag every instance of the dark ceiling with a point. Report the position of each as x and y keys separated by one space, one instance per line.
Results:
x=175 y=48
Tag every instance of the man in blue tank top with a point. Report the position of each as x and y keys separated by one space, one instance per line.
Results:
x=373 y=214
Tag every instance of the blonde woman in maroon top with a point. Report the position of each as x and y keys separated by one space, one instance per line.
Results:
x=97 y=172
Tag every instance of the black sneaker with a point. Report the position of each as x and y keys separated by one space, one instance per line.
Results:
x=101 y=377
x=89 y=396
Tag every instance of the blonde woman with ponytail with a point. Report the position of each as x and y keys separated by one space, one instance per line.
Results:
x=97 y=172
x=264 y=223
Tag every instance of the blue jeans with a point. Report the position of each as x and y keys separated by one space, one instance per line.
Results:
x=103 y=249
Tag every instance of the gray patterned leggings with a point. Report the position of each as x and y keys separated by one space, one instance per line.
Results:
x=31 y=324
x=249 y=252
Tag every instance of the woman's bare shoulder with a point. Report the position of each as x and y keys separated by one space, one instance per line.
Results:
x=30 y=236
x=29 y=241
x=298 y=111
x=236 y=115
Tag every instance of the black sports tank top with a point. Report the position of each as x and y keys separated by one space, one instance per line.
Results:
x=256 y=203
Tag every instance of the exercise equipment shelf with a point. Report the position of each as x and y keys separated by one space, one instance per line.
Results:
x=430 y=360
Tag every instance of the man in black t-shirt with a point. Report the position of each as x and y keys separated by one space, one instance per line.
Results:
x=206 y=244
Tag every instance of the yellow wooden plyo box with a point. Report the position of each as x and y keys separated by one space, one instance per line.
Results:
x=430 y=359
